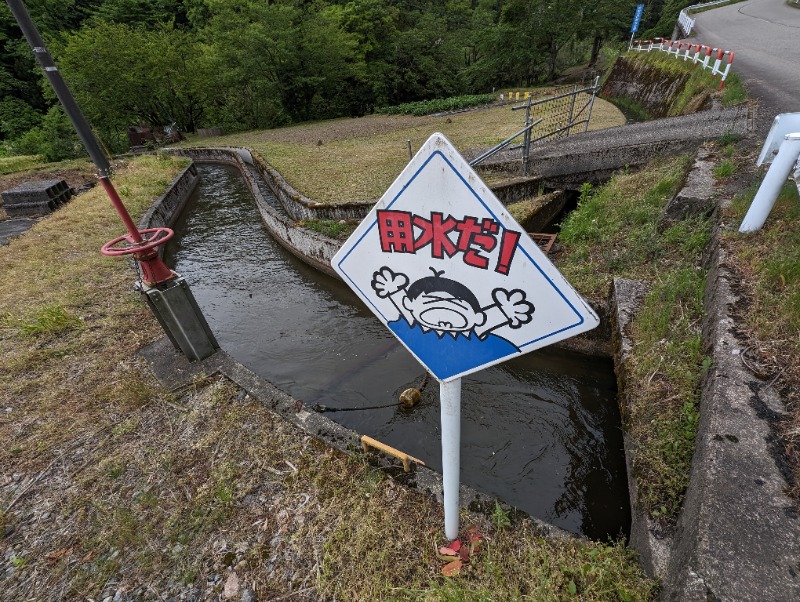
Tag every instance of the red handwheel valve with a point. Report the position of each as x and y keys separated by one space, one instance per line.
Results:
x=142 y=244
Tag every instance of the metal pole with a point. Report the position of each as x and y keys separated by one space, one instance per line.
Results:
x=526 y=144
x=595 y=85
x=776 y=177
x=167 y=293
x=59 y=86
x=450 y=400
x=503 y=144
x=572 y=107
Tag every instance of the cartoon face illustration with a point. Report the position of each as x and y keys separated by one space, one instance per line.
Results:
x=446 y=306
x=443 y=305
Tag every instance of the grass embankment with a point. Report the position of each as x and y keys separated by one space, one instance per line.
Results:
x=699 y=87
x=615 y=232
x=357 y=159
x=109 y=482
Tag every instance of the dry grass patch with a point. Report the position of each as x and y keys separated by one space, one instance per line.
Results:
x=357 y=159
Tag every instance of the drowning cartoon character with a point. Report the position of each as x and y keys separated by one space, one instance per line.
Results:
x=435 y=306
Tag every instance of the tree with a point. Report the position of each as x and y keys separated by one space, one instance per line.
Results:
x=243 y=52
x=122 y=75
x=605 y=20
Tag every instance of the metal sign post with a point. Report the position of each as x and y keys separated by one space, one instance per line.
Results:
x=445 y=267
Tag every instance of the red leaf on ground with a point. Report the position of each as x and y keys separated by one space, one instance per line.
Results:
x=445 y=551
x=56 y=554
x=463 y=553
x=473 y=534
x=452 y=569
x=455 y=546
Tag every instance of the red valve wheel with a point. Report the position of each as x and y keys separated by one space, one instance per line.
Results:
x=152 y=238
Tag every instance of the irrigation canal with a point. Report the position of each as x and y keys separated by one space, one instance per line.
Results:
x=541 y=432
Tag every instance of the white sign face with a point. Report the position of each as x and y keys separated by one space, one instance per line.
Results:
x=448 y=270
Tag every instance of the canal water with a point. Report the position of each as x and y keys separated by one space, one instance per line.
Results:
x=541 y=432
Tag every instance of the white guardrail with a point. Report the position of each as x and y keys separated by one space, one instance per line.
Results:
x=686 y=23
x=699 y=54
x=782 y=150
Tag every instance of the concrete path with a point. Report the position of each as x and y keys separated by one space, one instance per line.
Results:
x=765 y=37
x=594 y=156
x=14 y=227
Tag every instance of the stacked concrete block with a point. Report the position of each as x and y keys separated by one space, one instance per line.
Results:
x=36 y=198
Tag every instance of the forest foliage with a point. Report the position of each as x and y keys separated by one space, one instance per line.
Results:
x=249 y=64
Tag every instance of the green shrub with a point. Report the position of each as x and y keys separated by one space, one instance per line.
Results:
x=54 y=139
x=438 y=105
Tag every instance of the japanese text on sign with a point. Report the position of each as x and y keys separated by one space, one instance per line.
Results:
x=472 y=236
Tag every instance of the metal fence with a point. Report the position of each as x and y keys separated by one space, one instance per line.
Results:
x=686 y=23
x=566 y=111
x=698 y=54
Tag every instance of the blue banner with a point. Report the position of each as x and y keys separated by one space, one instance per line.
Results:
x=637 y=18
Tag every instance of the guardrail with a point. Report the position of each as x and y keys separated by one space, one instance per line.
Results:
x=690 y=51
x=686 y=23
x=782 y=150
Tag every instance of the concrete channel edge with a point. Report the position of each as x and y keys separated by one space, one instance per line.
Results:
x=738 y=534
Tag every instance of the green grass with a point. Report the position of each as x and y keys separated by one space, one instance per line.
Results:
x=358 y=159
x=18 y=163
x=338 y=229
x=615 y=232
x=768 y=265
x=771 y=257
x=724 y=169
x=172 y=487
x=701 y=83
x=632 y=109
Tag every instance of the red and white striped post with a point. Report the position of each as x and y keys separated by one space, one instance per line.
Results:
x=727 y=68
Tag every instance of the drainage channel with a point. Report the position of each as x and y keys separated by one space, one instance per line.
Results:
x=541 y=432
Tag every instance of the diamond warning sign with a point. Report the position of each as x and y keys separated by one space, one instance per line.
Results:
x=444 y=266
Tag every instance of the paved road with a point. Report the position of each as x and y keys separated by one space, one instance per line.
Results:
x=765 y=36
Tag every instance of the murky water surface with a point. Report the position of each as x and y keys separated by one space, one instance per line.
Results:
x=541 y=431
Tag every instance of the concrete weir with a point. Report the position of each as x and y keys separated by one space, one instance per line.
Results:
x=738 y=536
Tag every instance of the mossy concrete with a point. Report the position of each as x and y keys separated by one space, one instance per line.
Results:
x=646 y=84
x=738 y=533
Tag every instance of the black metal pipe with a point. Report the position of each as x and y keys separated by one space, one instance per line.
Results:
x=59 y=86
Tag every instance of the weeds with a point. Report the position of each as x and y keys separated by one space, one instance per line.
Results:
x=724 y=170
x=50 y=319
x=501 y=518
x=343 y=160
x=439 y=105
x=154 y=489
x=18 y=163
x=338 y=229
x=615 y=232
x=700 y=84
x=729 y=138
